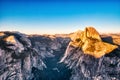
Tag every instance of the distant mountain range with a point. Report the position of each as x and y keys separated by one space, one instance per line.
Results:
x=82 y=55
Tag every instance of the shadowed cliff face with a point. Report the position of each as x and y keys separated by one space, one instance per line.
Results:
x=17 y=57
x=37 y=57
x=51 y=49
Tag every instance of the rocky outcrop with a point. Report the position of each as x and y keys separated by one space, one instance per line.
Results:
x=10 y=39
x=90 y=43
x=92 y=59
x=2 y=34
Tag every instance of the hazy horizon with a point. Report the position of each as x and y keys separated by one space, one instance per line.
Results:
x=59 y=16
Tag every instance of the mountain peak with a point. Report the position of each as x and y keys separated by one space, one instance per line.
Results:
x=86 y=56
x=90 y=42
x=91 y=32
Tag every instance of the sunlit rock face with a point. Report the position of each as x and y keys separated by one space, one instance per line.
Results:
x=90 y=58
x=90 y=42
x=2 y=34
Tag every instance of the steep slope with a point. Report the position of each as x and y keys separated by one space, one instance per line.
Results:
x=17 y=57
x=92 y=59
x=51 y=48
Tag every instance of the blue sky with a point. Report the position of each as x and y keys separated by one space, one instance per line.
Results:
x=59 y=16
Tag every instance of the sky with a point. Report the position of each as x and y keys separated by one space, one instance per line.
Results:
x=59 y=16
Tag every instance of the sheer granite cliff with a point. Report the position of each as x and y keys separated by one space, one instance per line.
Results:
x=17 y=57
x=59 y=57
x=92 y=58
